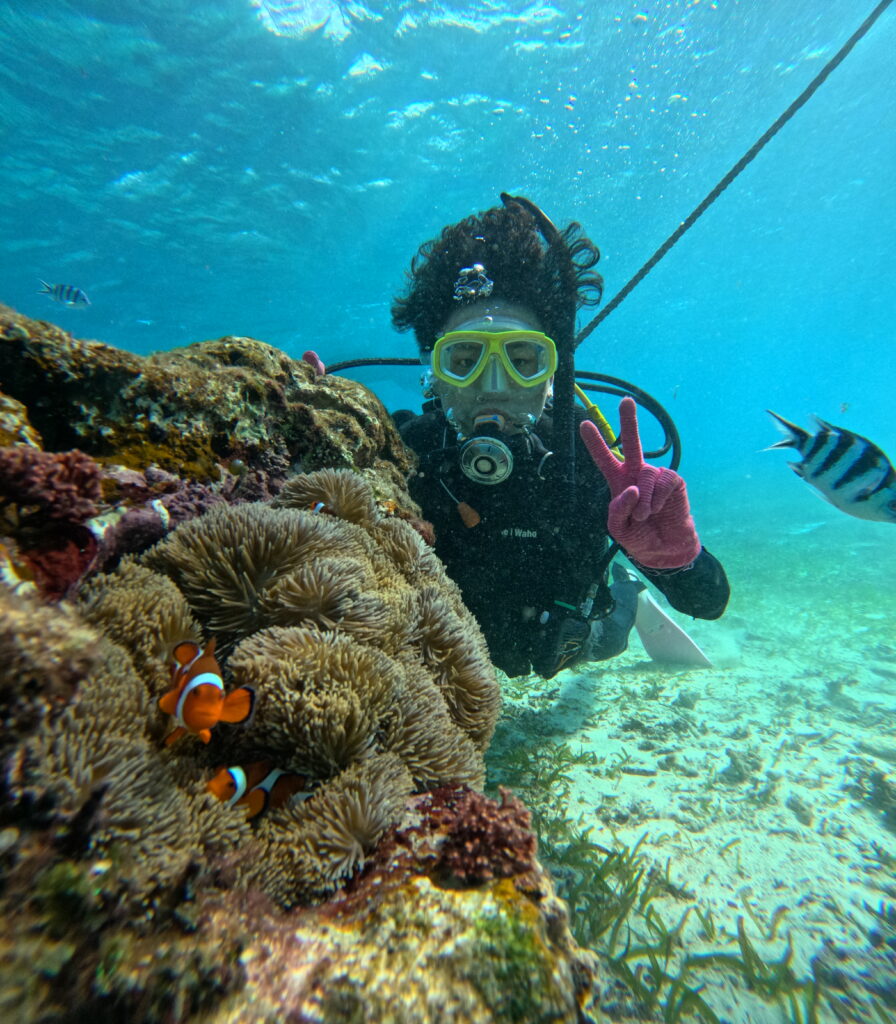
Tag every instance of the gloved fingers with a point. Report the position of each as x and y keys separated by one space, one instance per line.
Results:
x=600 y=454
x=619 y=517
x=658 y=487
x=668 y=484
x=631 y=439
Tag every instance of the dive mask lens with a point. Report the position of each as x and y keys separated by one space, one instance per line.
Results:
x=459 y=358
x=528 y=357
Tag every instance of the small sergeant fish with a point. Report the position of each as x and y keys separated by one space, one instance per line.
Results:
x=67 y=294
x=848 y=470
x=258 y=787
x=197 y=701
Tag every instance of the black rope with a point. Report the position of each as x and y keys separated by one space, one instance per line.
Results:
x=347 y=364
x=752 y=152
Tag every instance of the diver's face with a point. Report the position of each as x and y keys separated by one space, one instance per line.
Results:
x=493 y=397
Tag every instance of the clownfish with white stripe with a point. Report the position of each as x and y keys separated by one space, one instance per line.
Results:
x=258 y=787
x=197 y=701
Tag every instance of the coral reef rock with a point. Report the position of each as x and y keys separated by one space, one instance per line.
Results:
x=225 y=493
x=405 y=943
x=234 y=403
x=385 y=887
x=409 y=942
x=102 y=451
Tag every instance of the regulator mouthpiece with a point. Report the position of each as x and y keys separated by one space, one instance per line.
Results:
x=486 y=460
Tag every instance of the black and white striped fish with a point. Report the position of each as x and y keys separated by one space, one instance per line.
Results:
x=67 y=294
x=846 y=469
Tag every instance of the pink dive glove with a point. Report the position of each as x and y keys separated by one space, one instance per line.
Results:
x=649 y=514
x=315 y=362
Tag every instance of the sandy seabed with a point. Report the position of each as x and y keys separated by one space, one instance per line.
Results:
x=753 y=778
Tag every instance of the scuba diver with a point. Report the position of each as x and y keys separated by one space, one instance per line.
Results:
x=529 y=499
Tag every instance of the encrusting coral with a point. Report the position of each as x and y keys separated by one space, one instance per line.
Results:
x=478 y=829
x=56 y=485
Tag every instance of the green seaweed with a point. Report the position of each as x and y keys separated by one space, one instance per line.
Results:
x=804 y=1010
x=883 y=857
x=770 y=930
x=610 y=894
x=707 y=924
x=772 y=980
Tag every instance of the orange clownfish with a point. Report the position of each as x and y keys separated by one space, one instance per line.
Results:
x=197 y=701
x=257 y=787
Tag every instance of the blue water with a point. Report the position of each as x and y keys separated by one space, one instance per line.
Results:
x=199 y=174
x=268 y=169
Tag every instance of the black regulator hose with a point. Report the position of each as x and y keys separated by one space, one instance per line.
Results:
x=348 y=364
x=608 y=385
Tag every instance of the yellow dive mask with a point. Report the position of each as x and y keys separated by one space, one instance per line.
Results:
x=528 y=357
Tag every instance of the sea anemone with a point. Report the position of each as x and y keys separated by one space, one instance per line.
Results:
x=328 y=593
x=369 y=675
x=44 y=653
x=320 y=697
x=408 y=552
x=312 y=845
x=461 y=668
x=224 y=561
x=343 y=493
x=142 y=611
x=422 y=733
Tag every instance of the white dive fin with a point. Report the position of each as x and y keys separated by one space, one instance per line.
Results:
x=664 y=640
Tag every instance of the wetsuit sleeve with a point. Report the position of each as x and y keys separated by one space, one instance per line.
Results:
x=701 y=590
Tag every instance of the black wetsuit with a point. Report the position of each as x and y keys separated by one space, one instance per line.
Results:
x=528 y=563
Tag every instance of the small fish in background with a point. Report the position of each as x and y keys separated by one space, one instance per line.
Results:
x=846 y=469
x=258 y=787
x=67 y=294
x=197 y=701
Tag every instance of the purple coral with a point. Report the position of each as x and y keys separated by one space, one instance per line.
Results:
x=485 y=839
x=57 y=485
x=60 y=558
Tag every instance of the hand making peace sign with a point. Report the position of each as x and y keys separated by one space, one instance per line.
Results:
x=649 y=515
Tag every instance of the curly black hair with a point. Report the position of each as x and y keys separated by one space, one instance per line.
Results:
x=524 y=269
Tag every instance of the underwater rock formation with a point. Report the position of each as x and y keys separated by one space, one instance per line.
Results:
x=408 y=942
x=136 y=517
x=15 y=427
x=404 y=942
x=192 y=410
x=145 y=443
x=372 y=681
